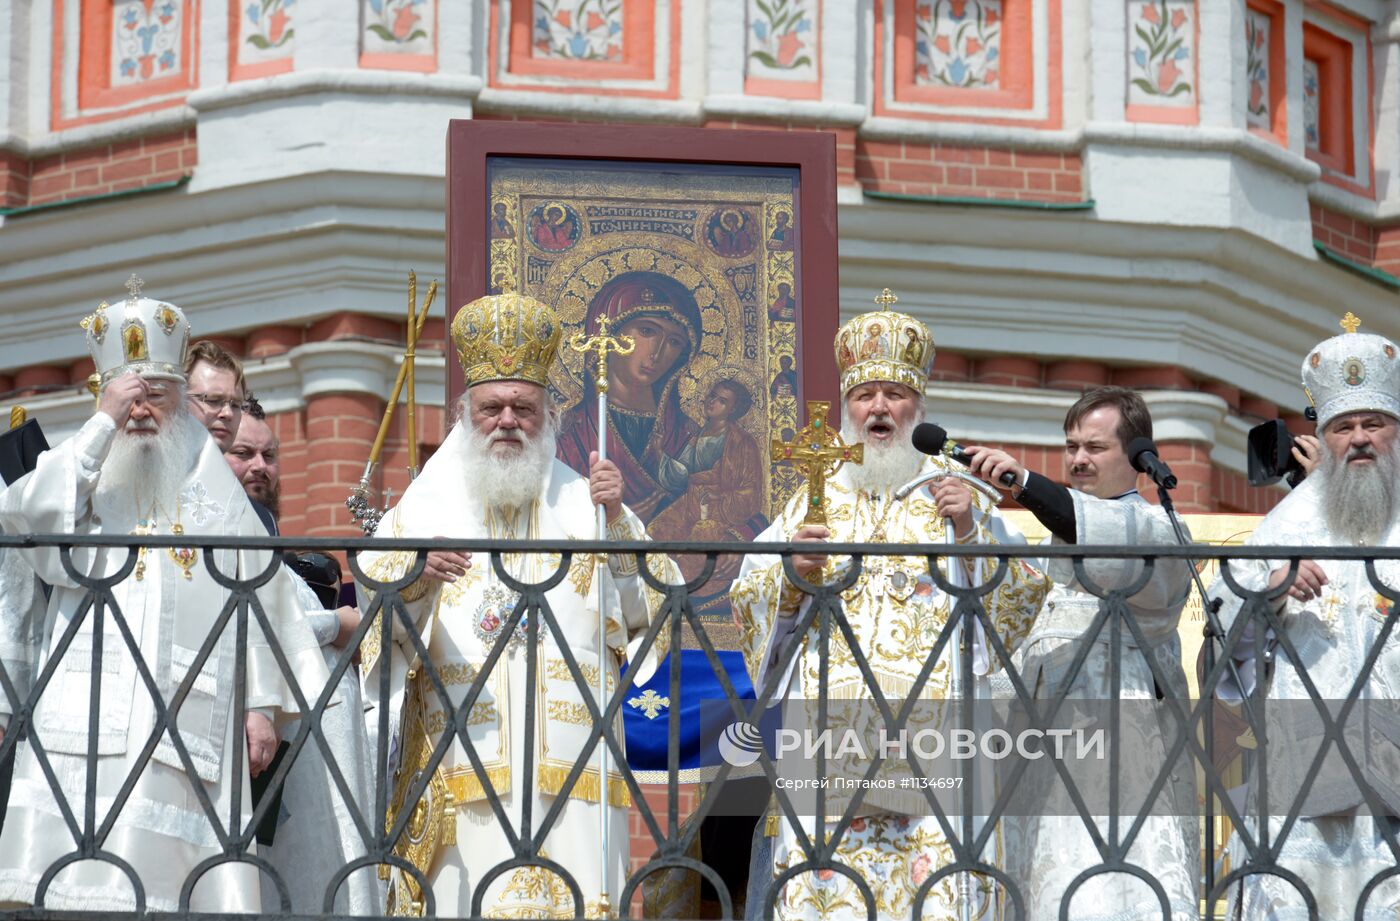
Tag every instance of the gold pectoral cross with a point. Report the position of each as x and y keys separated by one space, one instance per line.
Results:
x=603 y=343
x=820 y=452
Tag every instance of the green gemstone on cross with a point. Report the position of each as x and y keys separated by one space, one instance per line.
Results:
x=816 y=500
x=816 y=423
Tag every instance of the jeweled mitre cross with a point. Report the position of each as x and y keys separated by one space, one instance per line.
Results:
x=819 y=452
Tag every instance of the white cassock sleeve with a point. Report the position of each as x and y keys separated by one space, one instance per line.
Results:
x=56 y=498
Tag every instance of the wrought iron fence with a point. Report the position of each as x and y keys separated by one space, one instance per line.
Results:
x=973 y=823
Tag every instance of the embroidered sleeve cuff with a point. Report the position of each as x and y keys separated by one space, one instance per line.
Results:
x=626 y=527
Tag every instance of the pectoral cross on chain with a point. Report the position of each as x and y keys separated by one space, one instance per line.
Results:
x=820 y=452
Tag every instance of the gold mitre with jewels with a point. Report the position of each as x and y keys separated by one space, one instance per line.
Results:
x=1351 y=373
x=137 y=334
x=506 y=337
x=884 y=345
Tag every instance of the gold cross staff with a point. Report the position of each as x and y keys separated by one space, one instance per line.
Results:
x=820 y=452
x=603 y=343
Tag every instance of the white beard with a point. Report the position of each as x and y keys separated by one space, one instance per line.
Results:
x=508 y=480
x=1358 y=503
x=888 y=465
x=142 y=471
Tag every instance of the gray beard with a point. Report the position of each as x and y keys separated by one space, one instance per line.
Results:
x=144 y=470
x=887 y=465
x=511 y=481
x=1358 y=503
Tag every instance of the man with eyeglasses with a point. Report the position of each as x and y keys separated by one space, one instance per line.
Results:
x=216 y=390
x=218 y=398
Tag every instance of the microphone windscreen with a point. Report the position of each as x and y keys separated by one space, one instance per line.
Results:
x=929 y=437
x=1136 y=448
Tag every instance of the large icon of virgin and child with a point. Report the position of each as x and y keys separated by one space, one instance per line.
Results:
x=697 y=479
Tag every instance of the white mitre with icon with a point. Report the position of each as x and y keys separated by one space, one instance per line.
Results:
x=1352 y=373
x=138 y=334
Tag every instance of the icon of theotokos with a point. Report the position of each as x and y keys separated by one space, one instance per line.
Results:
x=644 y=409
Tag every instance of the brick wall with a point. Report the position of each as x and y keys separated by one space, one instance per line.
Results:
x=1234 y=494
x=1190 y=462
x=14 y=180
x=914 y=168
x=115 y=167
x=1344 y=235
x=1388 y=249
x=845 y=142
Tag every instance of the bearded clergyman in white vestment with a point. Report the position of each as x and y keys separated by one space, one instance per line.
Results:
x=895 y=609
x=495 y=477
x=1051 y=847
x=1333 y=616
x=142 y=465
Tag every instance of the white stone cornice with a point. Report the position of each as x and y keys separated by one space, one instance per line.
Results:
x=800 y=111
x=361 y=367
x=1184 y=415
x=59 y=413
x=589 y=106
x=147 y=124
x=1353 y=205
x=1182 y=137
x=354 y=82
x=281 y=252
x=1231 y=443
x=884 y=128
x=981 y=413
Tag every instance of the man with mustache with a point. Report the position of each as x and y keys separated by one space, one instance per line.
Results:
x=1332 y=616
x=1104 y=507
x=896 y=611
x=495 y=477
x=143 y=465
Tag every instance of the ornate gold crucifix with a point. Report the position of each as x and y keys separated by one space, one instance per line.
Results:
x=603 y=343
x=819 y=452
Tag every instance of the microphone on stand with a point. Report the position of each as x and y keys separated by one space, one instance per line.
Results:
x=1142 y=454
x=931 y=438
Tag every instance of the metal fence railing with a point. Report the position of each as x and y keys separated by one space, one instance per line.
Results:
x=980 y=808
